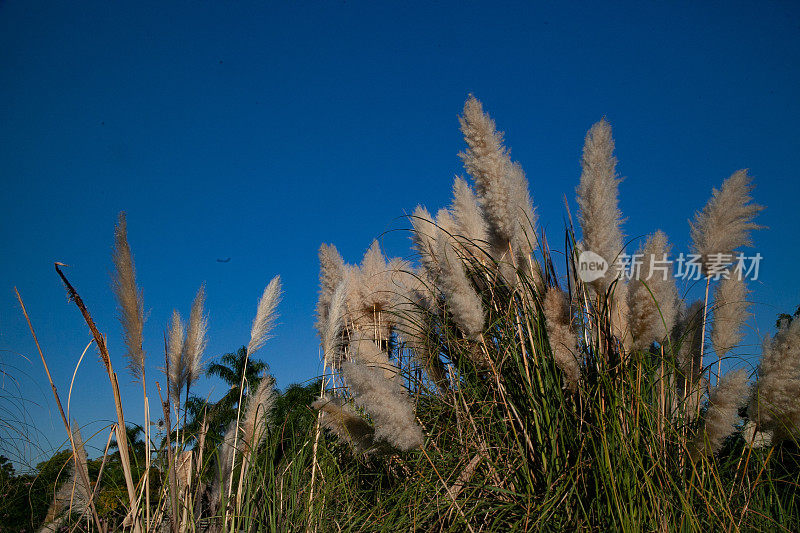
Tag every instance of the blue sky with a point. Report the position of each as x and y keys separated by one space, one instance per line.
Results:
x=257 y=131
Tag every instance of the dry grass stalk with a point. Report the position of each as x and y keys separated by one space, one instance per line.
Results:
x=112 y=376
x=85 y=479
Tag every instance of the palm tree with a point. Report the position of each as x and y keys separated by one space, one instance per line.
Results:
x=218 y=415
x=229 y=369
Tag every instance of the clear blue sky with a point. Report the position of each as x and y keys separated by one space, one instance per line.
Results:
x=256 y=131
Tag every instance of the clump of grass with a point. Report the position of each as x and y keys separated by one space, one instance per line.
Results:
x=489 y=388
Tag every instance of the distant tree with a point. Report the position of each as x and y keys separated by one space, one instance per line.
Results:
x=229 y=369
x=786 y=317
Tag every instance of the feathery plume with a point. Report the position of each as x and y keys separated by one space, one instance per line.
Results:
x=563 y=342
x=464 y=303
x=423 y=238
x=523 y=240
x=259 y=407
x=224 y=467
x=730 y=313
x=468 y=216
x=340 y=419
x=332 y=333
x=375 y=288
x=601 y=220
x=501 y=185
x=175 y=352
x=365 y=351
x=487 y=161
x=775 y=406
x=265 y=315
x=726 y=221
x=652 y=295
x=331 y=273
x=687 y=337
x=414 y=329
x=447 y=223
x=195 y=343
x=129 y=298
x=722 y=414
x=387 y=402
x=599 y=214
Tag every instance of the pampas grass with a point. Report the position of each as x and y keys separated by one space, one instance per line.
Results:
x=334 y=325
x=341 y=420
x=424 y=239
x=723 y=413
x=730 y=314
x=726 y=221
x=775 y=405
x=265 y=316
x=175 y=352
x=487 y=161
x=561 y=336
x=386 y=402
x=129 y=298
x=331 y=274
x=502 y=191
x=259 y=406
x=468 y=216
x=463 y=302
x=540 y=418
x=599 y=214
x=687 y=342
x=195 y=344
x=652 y=297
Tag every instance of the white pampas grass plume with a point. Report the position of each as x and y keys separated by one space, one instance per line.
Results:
x=722 y=414
x=259 y=406
x=463 y=302
x=266 y=314
x=341 y=420
x=487 y=161
x=563 y=342
x=175 y=352
x=687 y=339
x=423 y=238
x=365 y=351
x=599 y=214
x=652 y=295
x=501 y=186
x=129 y=298
x=224 y=467
x=375 y=286
x=468 y=216
x=387 y=403
x=331 y=273
x=726 y=221
x=730 y=314
x=196 y=340
x=523 y=240
x=447 y=223
x=334 y=325
x=775 y=405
